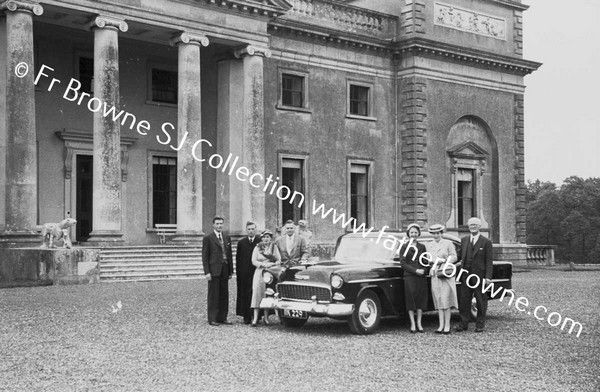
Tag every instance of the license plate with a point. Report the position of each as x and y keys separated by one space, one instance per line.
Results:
x=293 y=313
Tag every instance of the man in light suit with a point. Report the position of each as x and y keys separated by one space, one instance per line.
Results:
x=292 y=247
x=245 y=272
x=218 y=268
x=477 y=259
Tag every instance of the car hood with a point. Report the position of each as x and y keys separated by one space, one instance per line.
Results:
x=321 y=272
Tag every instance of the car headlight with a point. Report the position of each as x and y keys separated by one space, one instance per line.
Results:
x=336 y=281
x=267 y=277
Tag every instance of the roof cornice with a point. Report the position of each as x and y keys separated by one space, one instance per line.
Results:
x=473 y=57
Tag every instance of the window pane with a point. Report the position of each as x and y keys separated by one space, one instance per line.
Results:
x=359 y=100
x=164 y=86
x=465 y=196
x=292 y=90
x=86 y=74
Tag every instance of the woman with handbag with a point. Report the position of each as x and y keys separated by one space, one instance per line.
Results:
x=415 y=277
x=443 y=284
x=265 y=255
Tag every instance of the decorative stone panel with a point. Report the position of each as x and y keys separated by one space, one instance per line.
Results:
x=413 y=136
x=469 y=21
x=520 y=188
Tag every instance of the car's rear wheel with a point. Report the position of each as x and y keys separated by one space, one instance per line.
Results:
x=291 y=322
x=367 y=313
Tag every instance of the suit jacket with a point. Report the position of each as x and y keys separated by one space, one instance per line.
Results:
x=477 y=259
x=299 y=251
x=243 y=258
x=212 y=254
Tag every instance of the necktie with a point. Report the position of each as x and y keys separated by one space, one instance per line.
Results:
x=223 y=247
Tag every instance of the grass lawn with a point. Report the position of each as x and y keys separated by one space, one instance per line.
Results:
x=74 y=338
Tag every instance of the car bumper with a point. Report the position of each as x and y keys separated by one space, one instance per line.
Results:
x=313 y=308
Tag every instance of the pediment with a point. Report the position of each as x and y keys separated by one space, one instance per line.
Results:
x=468 y=149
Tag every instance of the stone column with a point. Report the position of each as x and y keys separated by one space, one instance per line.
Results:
x=240 y=132
x=189 y=131
x=18 y=131
x=106 y=213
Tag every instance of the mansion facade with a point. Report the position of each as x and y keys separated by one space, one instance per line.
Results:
x=122 y=114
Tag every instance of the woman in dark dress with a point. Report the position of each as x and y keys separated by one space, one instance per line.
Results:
x=415 y=277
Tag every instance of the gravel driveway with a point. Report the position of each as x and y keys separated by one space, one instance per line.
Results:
x=76 y=338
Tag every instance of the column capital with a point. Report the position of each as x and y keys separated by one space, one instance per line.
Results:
x=22 y=6
x=107 y=22
x=251 y=50
x=186 y=38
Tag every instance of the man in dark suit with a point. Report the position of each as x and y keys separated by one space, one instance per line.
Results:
x=292 y=247
x=245 y=272
x=218 y=268
x=477 y=259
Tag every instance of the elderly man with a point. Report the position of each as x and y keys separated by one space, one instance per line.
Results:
x=477 y=259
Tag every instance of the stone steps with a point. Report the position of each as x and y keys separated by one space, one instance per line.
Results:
x=149 y=263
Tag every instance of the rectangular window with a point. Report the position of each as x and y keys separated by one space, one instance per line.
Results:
x=86 y=73
x=359 y=100
x=466 y=195
x=359 y=193
x=292 y=176
x=164 y=190
x=164 y=86
x=292 y=90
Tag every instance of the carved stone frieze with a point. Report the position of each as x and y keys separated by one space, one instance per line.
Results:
x=469 y=21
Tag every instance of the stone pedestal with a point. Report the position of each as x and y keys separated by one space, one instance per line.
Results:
x=189 y=132
x=107 y=225
x=18 y=132
x=240 y=132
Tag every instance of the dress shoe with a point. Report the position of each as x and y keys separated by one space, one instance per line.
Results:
x=446 y=332
x=478 y=329
x=413 y=330
x=459 y=329
x=253 y=325
x=213 y=324
x=439 y=331
x=225 y=322
x=420 y=330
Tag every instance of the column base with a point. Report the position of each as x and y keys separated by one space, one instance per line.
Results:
x=20 y=239
x=184 y=237
x=104 y=238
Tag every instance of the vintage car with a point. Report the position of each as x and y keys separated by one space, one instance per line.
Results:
x=362 y=283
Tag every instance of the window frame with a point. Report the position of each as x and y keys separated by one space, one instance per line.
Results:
x=77 y=71
x=150 y=175
x=303 y=158
x=368 y=163
x=370 y=100
x=305 y=107
x=162 y=66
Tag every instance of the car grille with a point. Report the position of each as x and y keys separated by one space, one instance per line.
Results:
x=303 y=293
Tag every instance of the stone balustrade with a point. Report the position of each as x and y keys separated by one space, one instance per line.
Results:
x=540 y=254
x=343 y=17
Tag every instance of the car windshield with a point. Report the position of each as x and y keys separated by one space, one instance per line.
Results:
x=359 y=249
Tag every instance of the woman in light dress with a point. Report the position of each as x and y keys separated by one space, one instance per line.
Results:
x=265 y=255
x=443 y=289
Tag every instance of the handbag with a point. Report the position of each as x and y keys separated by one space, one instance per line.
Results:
x=441 y=275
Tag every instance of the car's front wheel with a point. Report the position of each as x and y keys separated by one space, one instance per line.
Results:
x=367 y=313
x=291 y=322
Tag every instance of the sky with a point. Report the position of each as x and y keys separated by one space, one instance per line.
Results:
x=562 y=108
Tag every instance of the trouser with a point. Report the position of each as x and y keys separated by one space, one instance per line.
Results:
x=464 y=303
x=218 y=297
